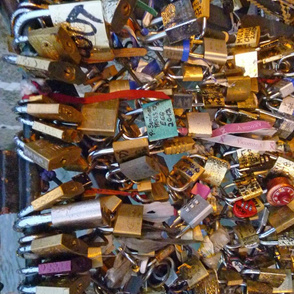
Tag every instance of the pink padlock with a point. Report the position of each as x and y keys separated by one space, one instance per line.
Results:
x=201 y=189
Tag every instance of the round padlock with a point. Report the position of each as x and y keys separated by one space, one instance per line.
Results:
x=280 y=191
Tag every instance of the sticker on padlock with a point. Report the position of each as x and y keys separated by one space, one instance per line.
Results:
x=287 y=105
x=160 y=120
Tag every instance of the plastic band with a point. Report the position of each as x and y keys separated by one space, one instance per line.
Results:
x=186 y=50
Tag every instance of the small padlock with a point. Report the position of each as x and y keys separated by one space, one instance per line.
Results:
x=281 y=219
x=49 y=155
x=61 y=193
x=193 y=271
x=51 y=111
x=129 y=220
x=199 y=124
x=246 y=235
x=215 y=50
x=248 y=37
x=239 y=88
x=54 y=43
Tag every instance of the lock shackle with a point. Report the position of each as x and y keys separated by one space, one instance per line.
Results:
x=30 y=238
x=28 y=271
x=112 y=176
x=269 y=243
x=97 y=153
x=267 y=233
x=101 y=83
x=281 y=61
x=224 y=112
x=26 y=289
x=31 y=221
x=233 y=247
x=270 y=106
x=23 y=156
x=177 y=189
x=23 y=19
x=263 y=221
x=17 y=13
x=164 y=278
x=250 y=272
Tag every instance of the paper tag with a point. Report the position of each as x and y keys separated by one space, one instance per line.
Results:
x=160 y=120
x=248 y=61
x=287 y=105
x=84 y=19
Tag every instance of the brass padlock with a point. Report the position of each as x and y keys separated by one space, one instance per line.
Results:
x=250 y=103
x=254 y=287
x=55 y=245
x=239 y=88
x=69 y=135
x=281 y=219
x=248 y=188
x=95 y=254
x=50 y=155
x=248 y=36
x=215 y=170
x=192 y=73
x=51 y=111
x=159 y=192
x=129 y=221
x=130 y=149
x=61 y=193
x=58 y=70
x=247 y=235
x=272 y=276
x=193 y=271
x=54 y=43
x=201 y=8
x=99 y=118
x=212 y=97
x=109 y=205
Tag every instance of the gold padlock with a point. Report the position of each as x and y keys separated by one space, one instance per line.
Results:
x=49 y=155
x=54 y=43
x=239 y=88
x=129 y=221
x=248 y=36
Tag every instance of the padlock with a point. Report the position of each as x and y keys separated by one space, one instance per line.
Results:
x=287 y=285
x=254 y=287
x=64 y=244
x=232 y=277
x=191 y=214
x=74 y=284
x=75 y=265
x=212 y=97
x=282 y=88
x=130 y=149
x=248 y=188
x=201 y=8
x=182 y=101
x=192 y=73
x=193 y=271
x=54 y=43
x=281 y=219
x=52 y=111
x=284 y=166
x=239 y=88
x=179 y=21
x=159 y=192
x=215 y=50
x=99 y=118
x=187 y=170
x=47 y=68
x=178 y=51
x=68 y=215
x=95 y=255
x=49 y=155
x=199 y=124
x=247 y=235
x=250 y=208
x=274 y=277
x=248 y=37
x=280 y=191
x=129 y=220
x=140 y=168
x=68 y=135
x=215 y=169
x=63 y=192
x=208 y=285
x=109 y=205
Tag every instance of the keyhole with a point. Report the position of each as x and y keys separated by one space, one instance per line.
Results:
x=126 y=9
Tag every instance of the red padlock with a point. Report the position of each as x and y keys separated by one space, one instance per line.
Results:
x=279 y=191
x=244 y=208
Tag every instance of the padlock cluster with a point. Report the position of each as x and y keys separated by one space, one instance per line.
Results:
x=177 y=119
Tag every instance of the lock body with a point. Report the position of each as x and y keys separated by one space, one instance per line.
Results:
x=280 y=191
x=129 y=221
x=54 y=43
x=64 y=244
x=50 y=155
x=199 y=124
x=81 y=215
x=63 y=192
x=99 y=118
x=246 y=235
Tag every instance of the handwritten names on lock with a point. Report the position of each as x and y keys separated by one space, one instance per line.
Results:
x=248 y=36
x=160 y=120
x=284 y=166
x=84 y=20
